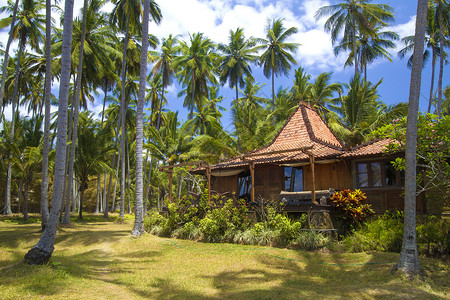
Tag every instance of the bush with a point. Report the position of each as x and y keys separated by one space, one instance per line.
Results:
x=309 y=240
x=351 y=205
x=433 y=237
x=384 y=233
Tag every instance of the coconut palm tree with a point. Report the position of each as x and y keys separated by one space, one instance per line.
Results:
x=6 y=54
x=277 y=58
x=360 y=112
x=91 y=155
x=27 y=30
x=165 y=66
x=369 y=47
x=235 y=59
x=125 y=16
x=196 y=68
x=409 y=256
x=42 y=251
x=139 y=201
x=47 y=97
x=321 y=93
x=432 y=43
x=301 y=88
x=352 y=17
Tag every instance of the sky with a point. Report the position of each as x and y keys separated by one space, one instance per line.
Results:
x=215 y=18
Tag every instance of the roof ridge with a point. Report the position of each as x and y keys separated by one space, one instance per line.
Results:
x=310 y=131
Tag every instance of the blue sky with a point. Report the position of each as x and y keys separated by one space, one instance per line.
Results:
x=215 y=18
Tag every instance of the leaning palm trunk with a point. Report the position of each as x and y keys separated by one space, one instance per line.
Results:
x=13 y=122
x=5 y=58
x=43 y=250
x=123 y=112
x=75 y=116
x=139 y=214
x=409 y=258
x=47 y=96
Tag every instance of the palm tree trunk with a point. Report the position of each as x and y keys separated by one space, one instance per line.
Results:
x=76 y=106
x=47 y=96
x=273 y=90
x=80 y=213
x=101 y=128
x=409 y=258
x=191 y=113
x=43 y=250
x=123 y=111
x=441 y=59
x=25 y=199
x=13 y=122
x=113 y=206
x=433 y=67
x=237 y=95
x=98 y=194
x=354 y=45
x=128 y=176
x=6 y=57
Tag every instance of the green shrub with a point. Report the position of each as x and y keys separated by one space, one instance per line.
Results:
x=152 y=219
x=433 y=236
x=384 y=233
x=309 y=240
x=189 y=231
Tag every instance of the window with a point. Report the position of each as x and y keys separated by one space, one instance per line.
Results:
x=293 y=179
x=378 y=174
x=245 y=184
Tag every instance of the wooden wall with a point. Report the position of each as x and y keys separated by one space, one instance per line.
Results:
x=334 y=175
x=225 y=184
x=269 y=180
x=391 y=199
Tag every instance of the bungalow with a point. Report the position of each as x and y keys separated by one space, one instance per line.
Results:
x=305 y=163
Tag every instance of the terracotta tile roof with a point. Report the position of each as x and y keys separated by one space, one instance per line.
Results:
x=305 y=128
x=375 y=147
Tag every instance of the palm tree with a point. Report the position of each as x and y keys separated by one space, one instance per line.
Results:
x=301 y=88
x=321 y=93
x=409 y=257
x=196 y=68
x=234 y=62
x=360 y=112
x=352 y=17
x=369 y=47
x=42 y=251
x=91 y=154
x=6 y=54
x=277 y=58
x=432 y=42
x=47 y=96
x=26 y=154
x=443 y=9
x=125 y=15
x=27 y=30
x=139 y=213
x=165 y=66
x=75 y=104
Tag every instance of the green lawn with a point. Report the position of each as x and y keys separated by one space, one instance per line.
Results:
x=98 y=259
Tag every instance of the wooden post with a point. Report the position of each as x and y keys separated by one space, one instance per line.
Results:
x=313 y=177
x=170 y=185
x=208 y=175
x=251 y=165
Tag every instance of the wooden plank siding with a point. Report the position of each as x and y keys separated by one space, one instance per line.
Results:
x=335 y=175
x=225 y=184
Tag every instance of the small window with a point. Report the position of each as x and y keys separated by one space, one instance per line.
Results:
x=391 y=174
x=293 y=179
x=245 y=185
x=378 y=174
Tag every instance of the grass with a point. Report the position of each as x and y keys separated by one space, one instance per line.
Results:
x=98 y=259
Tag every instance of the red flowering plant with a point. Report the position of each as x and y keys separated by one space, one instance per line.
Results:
x=351 y=204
